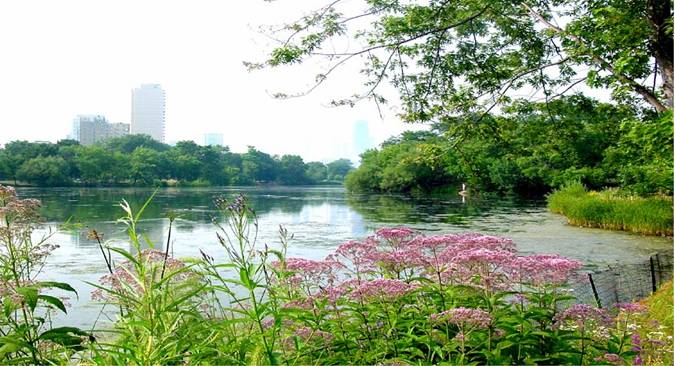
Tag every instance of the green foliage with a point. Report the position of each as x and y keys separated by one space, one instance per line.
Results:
x=401 y=167
x=470 y=56
x=610 y=209
x=258 y=166
x=140 y=160
x=45 y=171
x=643 y=156
x=529 y=149
x=292 y=171
x=28 y=304
x=338 y=169
x=661 y=306
x=316 y=171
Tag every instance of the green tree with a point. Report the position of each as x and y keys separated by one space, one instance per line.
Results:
x=44 y=171
x=259 y=166
x=316 y=171
x=292 y=170
x=143 y=165
x=94 y=164
x=449 y=57
x=127 y=144
x=19 y=152
x=338 y=169
x=174 y=164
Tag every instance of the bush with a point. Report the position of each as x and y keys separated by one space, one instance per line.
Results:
x=611 y=209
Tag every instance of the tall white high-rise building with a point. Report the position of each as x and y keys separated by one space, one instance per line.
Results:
x=147 y=111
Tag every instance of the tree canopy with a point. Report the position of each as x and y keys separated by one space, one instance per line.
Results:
x=470 y=56
x=528 y=152
x=140 y=160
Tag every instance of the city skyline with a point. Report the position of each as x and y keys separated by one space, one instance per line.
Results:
x=199 y=65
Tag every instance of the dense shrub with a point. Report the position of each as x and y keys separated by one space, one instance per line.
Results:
x=529 y=149
x=611 y=209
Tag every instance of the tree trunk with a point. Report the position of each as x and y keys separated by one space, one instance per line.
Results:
x=659 y=13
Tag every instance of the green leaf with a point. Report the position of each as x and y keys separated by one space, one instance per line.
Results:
x=60 y=285
x=53 y=301
x=70 y=337
x=30 y=295
x=8 y=348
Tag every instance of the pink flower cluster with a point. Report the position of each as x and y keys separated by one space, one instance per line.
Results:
x=487 y=262
x=463 y=317
x=583 y=315
x=542 y=269
x=395 y=235
x=378 y=289
x=307 y=334
x=15 y=210
x=631 y=307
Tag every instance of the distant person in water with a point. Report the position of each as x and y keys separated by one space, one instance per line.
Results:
x=463 y=193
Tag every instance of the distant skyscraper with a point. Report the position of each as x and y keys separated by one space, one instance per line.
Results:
x=147 y=111
x=213 y=139
x=91 y=128
x=362 y=139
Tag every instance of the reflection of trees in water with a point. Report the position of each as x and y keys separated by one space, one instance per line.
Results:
x=149 y=231
x=424 y=209
x=101 y=204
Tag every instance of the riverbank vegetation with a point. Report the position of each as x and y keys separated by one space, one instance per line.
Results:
x=611 y=209
x=531 y=150
x=138 y=160
x=397 y=297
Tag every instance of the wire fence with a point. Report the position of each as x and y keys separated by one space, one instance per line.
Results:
x=624 y=282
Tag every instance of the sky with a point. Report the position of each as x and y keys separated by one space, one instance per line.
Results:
x=64 y=58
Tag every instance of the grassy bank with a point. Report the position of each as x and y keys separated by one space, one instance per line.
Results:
x=660 y=306
x=660 y=309
x=609 y=209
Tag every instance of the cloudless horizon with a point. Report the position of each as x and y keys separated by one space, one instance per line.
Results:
x=84 y=57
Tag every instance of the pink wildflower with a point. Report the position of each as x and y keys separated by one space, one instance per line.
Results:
x=540 y=269
x=307 y=334
x=398 y=260
x=396 y=234
x=383 y=289
x=630 y=307
x=309 y=272
x=462 y=317
x=584 y=314
x=357 y=254
x=612 y=357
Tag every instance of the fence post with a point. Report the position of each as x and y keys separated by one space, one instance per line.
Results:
x=658 y=265
x=595 y=291
x=651 y=269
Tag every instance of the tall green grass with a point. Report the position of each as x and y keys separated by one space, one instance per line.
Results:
x=610 y=209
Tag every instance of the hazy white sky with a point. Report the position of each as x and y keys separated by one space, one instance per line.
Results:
x=63 y=58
